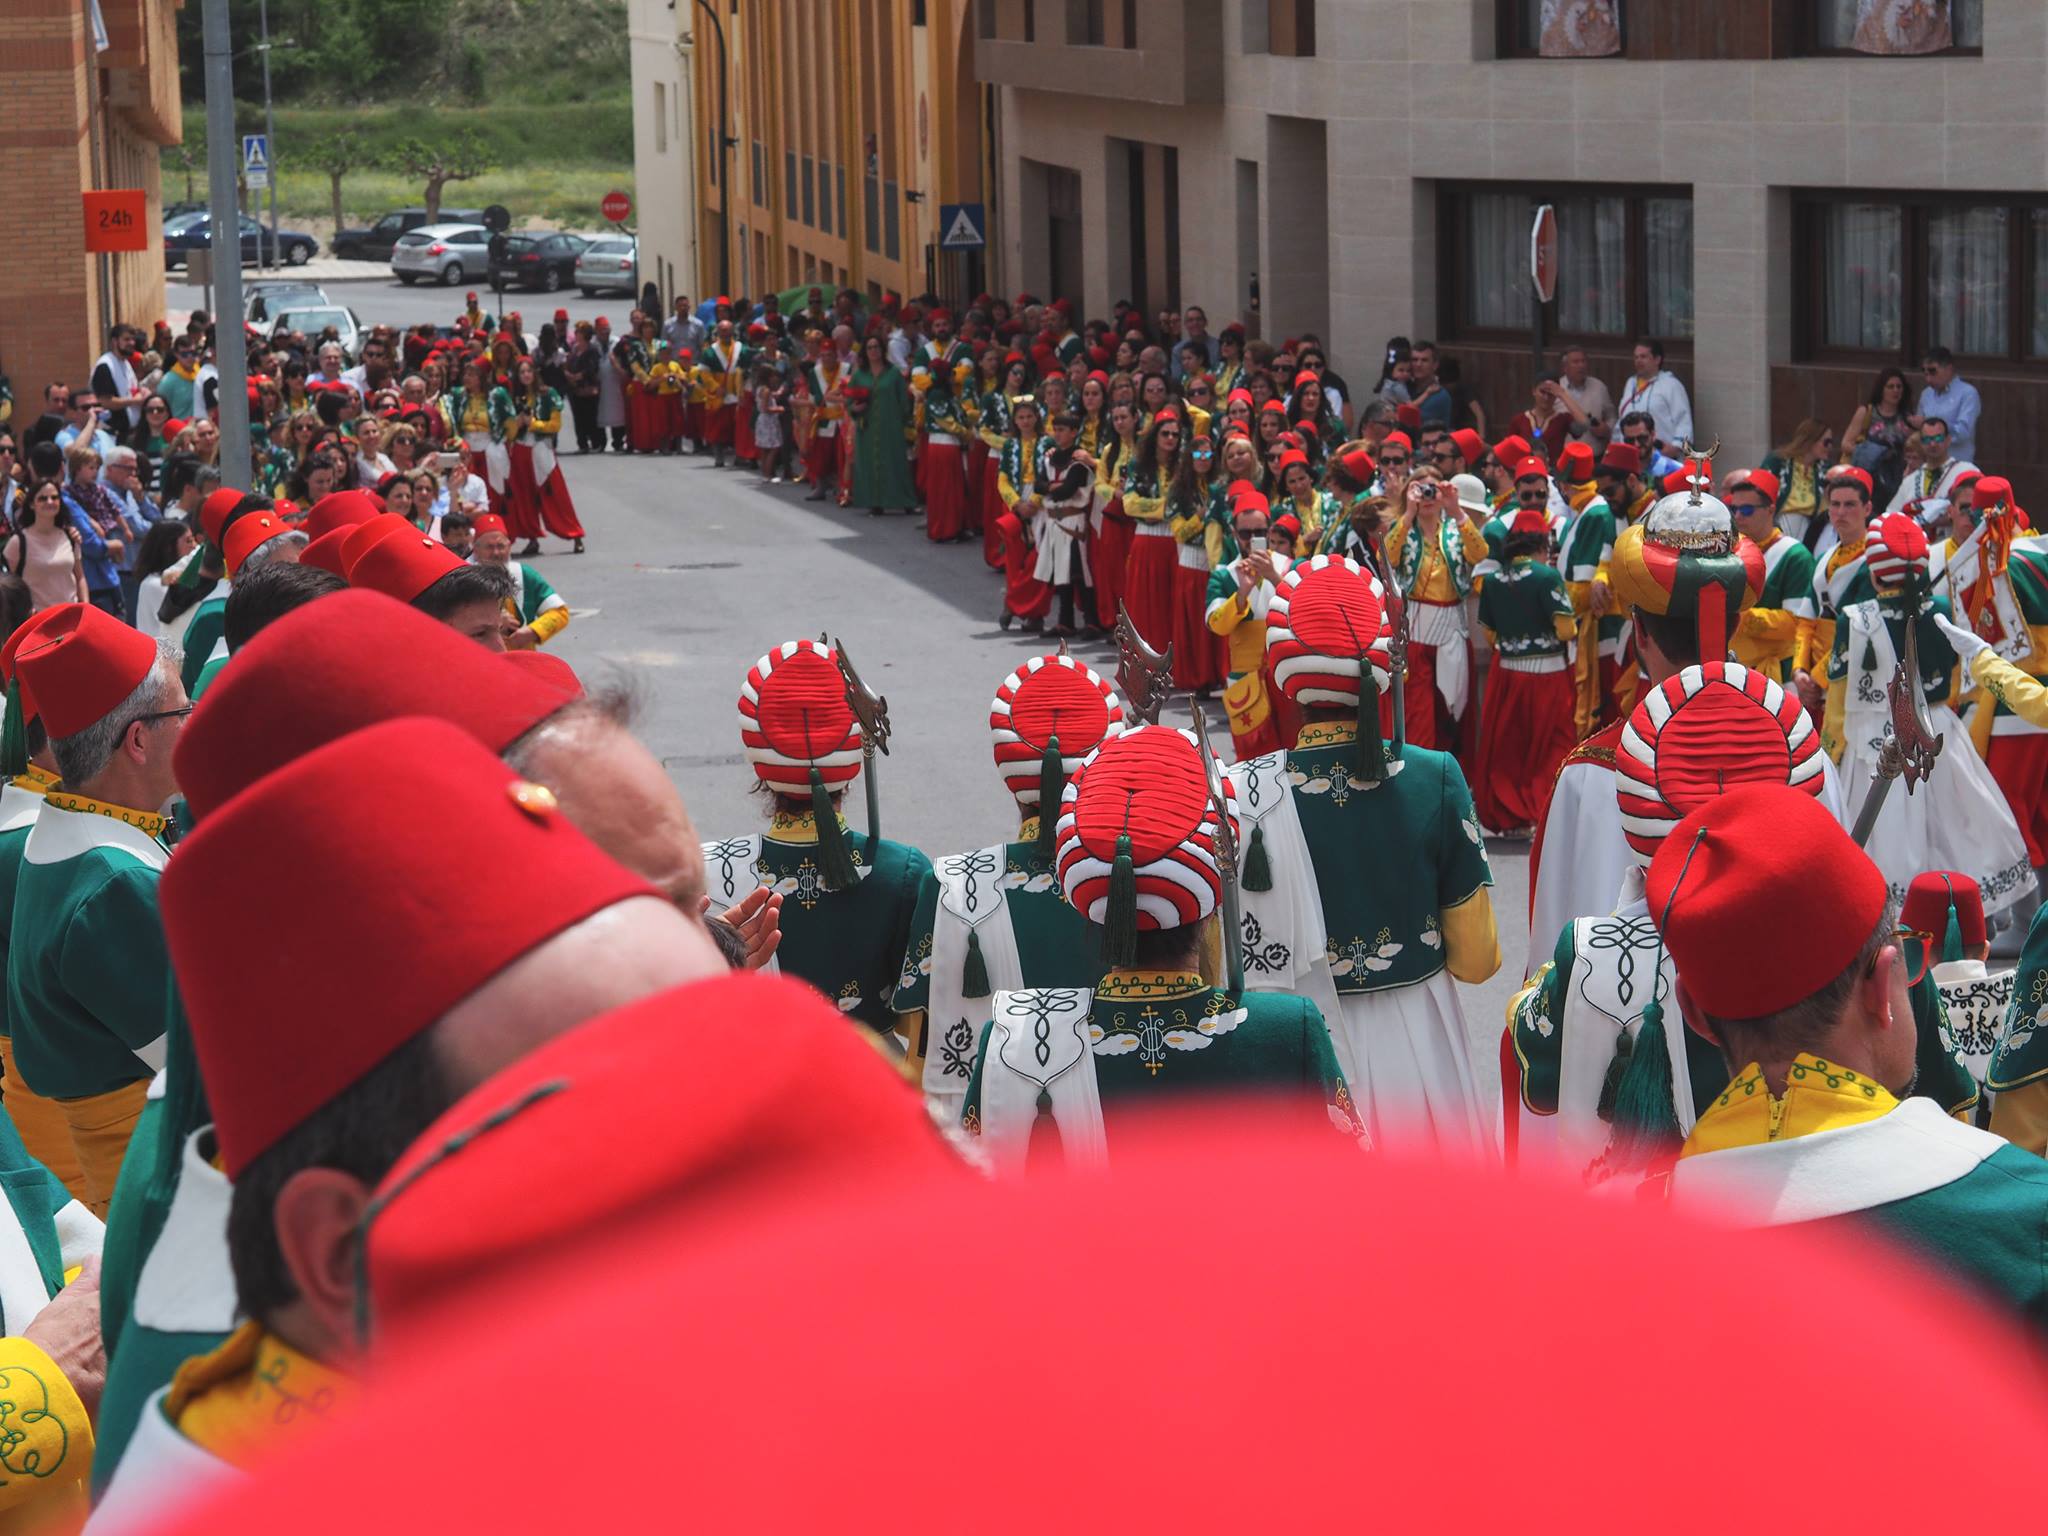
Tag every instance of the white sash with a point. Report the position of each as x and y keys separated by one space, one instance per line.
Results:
x=1442 y=626
x=1955 y=578
x=1041 y=1041
x=1283 y=935
x=543 y=459
x=497 y=466
x=1914 y=1149
x=18 y=807
x=971 y=900
x=1974 y=1006
x=160 y=1473
x=187 y=1284
x=732 y=873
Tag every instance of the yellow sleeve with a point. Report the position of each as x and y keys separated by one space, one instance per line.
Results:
x=1834 y=719
x=1145 y=509
x=1471 y=940
x=1006 y=490
x=548 y=426
x=1226 y=613
x=56 y=1441
x=549 y=623
x=2020 y=1115
x=1567 y=626
x=1188 y=529
x=1816 y=640
x=1775 y=631
x=2006 y=683
x=1471 y=540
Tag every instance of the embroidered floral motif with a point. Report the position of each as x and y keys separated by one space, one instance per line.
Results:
x=1358 y=955
x=1260 y=957
x=956 y=1052
x=849 y=997
x=33 y=1439
x=917 y=961
x=1432 y=935
x=1472 y=831
x=970 y=1123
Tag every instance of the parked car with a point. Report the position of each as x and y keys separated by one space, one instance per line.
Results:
x=441 y=253
x=311 y=320
x=261 y=300
x=608 y=265
x=535 y=261
x=376 y=242
x=194 y=232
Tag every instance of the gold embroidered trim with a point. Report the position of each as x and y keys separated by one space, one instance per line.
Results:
x=1135 y=985
x=144 y=821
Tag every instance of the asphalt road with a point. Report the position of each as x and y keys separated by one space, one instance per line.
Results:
x=692 y=573
x=379 y=298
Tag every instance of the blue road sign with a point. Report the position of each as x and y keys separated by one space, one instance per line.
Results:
x=962 y=227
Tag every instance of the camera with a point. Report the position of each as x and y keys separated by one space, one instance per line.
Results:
x=1425 y=490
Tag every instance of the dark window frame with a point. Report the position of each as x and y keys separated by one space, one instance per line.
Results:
x=1806 y=44
x=1510 y=43
x=1451 y=223
x=2023 y=246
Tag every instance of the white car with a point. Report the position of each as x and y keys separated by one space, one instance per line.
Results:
x=442 y=253
x=311 y=321
x=609 y=262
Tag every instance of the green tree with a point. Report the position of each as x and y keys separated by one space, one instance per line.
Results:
x=334 y=157
x=461 y=157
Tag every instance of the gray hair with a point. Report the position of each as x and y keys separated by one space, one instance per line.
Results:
x=120 y=455
x=273 y=548
x=206 y=479
x=1376 y=410
x=83 y=756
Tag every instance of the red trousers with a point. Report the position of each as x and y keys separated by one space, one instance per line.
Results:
x=2020 y=764
x=1023 y=593
x=1525 y=733
x=1110 y=557
x=646 y=418
x=494 y=498
x=1430 y=722
x=1148 y=587
x=542 y=505
x=743 y=434
x=718 y=425
x=945 y=491
x=1197 y=649
x=821 y=460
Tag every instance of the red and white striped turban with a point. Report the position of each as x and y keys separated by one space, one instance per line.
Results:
x=1149 y=784
x=1326 y=612
x=794 y=716
x=1897 y=545
x=1707 y=730
x=1048 y=697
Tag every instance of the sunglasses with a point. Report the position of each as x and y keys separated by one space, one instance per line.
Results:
x=1395 y=459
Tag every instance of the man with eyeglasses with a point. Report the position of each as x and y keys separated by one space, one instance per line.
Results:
x=87 y=974
x=1639 y=431
x=120 y=478
x=1955 y=400
x=1196 y=351
x=1926 y=493
x=85 y=422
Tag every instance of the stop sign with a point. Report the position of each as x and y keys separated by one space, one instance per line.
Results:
x=1543 y=253
x=616 y=207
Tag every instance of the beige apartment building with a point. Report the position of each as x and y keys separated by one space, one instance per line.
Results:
x=1788 y=215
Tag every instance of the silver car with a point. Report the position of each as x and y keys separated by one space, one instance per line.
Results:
x=608 y=263
x=442 y=253
x=311 y=321
x=261 y=300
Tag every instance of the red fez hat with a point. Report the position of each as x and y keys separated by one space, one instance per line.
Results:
x=447 y=1219
x=1048 y=715
x=470 y=297
x=403 y=565
x=1575 y=462
x=1290 y=458
x=1240 y=395
x=1532 y=468
x=247 y=535
x=79 y=664
x=23 y=633
x=1530 y=520
x=794 y=718
x=173 y=427
x=1991 y=489
x=1410 y=416
x=1678 y=482
x=1401 y=438
x=487 y=522
x=1851 y=472
x=1279 y=406
x=1357 y=467
x=370 y=531
x=1732 y=859
x=549 y=669
x=1622 y=458
x=401 y=874
x=341 y=509
x=561 y=314
x=1511 y=448
x=336 y=666
x=1306 y=377
x=1140 y=807
x=325 y=552
x=1944 y=910
x=213 y=512
x=1470 y=445
x=1286 y=523
x=1762 y=481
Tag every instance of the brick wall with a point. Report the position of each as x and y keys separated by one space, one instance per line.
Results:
x=51 y=321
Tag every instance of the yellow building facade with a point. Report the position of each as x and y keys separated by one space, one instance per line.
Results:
x=843 y=127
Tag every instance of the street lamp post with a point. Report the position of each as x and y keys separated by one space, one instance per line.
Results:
x=268 y=237
x=224 y=213
x=724 y=147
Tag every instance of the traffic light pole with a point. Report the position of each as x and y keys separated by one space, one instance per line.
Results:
x=224 y=212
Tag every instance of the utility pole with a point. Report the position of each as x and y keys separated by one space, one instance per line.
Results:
x=224 y=215
x=268 y=237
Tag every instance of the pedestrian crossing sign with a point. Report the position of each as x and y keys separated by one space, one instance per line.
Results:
x=256 y=160
x=962 y=227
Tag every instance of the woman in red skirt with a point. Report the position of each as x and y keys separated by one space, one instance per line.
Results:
x=995 y=431
x=537 y=496
x=1526 y=728
x=944 y=457
x=1432 y=548
x=1114 y=530
x=1160 y=485
x=646 y=413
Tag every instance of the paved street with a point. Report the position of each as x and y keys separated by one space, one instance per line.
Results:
x=379 y=298
x=692 y=573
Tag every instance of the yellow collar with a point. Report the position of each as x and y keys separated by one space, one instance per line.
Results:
x=254 y=1395
x=1028 y=833
x=1843 y=554
x=145 y=821
x=1819 y=1096
x=796 y=827
x=1327 y=733
x=1770 y=538
x=33 y=778
x=1133 y=985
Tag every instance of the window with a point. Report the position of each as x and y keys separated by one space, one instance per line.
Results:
x=1291 y=28
x=1624 y=261
x=809 y=203
x=789 y=183
x=892 y=221
x=1088 y=22
x=660 y=117
x=1030 y=21
x=1592 y=30
x=760 y=174
x=1858 y=26
x=1892 y=277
